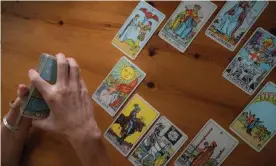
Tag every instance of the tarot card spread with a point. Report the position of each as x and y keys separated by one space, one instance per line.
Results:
x=131 y=124
x=256 y=124
x=233 y=22
x=138 y=29
x=159 y=146
x=254 y=62
x=211 y=146
x=184 y=24
x=118 y=86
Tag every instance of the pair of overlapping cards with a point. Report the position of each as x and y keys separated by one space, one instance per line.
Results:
x=179 y=31
x=251 y=65
x=228 y=28
x=212 y=145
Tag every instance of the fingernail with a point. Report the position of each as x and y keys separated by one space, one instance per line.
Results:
x=31 y=70
x=21 y=85
x=60 y=54
x=24 y=90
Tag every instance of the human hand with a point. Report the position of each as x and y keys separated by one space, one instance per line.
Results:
x=14 y=118
x=71 y=110
x=13 y=140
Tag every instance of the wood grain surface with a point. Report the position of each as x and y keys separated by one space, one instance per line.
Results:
x=189 y=88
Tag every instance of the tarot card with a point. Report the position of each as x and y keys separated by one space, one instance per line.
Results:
x=118 y=86
x=233 y=22
x=256 y=124
x=159 y=146
x=211 y=146
x=131 y=124
x=138 y=29
x=254 y=62
x=35 y=107
x=185 y=23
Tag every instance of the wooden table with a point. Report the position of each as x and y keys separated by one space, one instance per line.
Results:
x=189 y=89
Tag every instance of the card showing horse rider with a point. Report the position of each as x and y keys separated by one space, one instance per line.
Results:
x=118 y=86
x=256 y=124
x=254 y=62
x=159 y=146
x=138 y=29
x=131 y=124
x=211 y=146
x=185 y=23
x=233 y=22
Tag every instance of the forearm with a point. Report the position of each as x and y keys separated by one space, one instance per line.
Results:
x=12 y=141
x=90 y=148
x=10 y=147
x=92 y=153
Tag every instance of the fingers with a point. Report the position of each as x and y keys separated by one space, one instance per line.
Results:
x=62 y=69
x=16 y=103
x=14 y=112
x=74 y=69
x=22 y=91
x=83 y=86
x=25 y=124
x=41 y=85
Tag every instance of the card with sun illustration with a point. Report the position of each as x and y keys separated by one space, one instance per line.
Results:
x=118 y=86
x=138 y=29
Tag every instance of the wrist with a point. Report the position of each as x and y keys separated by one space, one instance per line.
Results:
x=84 y=133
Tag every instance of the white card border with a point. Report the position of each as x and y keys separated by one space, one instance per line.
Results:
x=158 y=115
x=244 y=32
x=176 y=150
x=259 y=28
x=146 y=42
x=93 y=96
x=228 y=134
x=234 y=131
x=204 y=23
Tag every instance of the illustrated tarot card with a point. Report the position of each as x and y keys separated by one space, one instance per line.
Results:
x=254 y=62
x=159 y=146
x=131 y=124
x=35 y=107
x=256 y=124
x=233 y=22
x=211 y=146
x=185 y=23
x=118 y=85
x=138 y=29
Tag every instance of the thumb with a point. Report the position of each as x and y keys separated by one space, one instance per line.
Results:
x=41 y=85
x=41 y=124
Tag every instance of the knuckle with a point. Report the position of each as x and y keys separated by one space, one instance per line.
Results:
x=62 y=64
x=74 y=67
x=70 y=59
x=62 y=90
x=84 y=91
x=35 y=78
